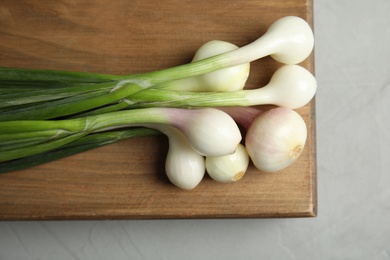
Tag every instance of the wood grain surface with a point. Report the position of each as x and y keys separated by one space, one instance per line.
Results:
x=126 y=180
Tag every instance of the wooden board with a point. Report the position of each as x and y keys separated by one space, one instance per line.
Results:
x=126 y=180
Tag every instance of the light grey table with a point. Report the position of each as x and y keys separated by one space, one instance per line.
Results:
x=353 y=71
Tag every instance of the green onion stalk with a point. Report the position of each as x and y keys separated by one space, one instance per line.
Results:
x=82 y=144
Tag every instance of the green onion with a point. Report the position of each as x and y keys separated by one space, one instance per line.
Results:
x=202 y=127
x=291 y=86
x=47 y=114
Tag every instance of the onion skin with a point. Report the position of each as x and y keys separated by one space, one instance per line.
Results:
x=276 y=139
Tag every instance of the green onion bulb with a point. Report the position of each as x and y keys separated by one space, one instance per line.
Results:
x=276 y=139
x=184 y=167
x=229 y=79
x=210 y=131
x=228 y=168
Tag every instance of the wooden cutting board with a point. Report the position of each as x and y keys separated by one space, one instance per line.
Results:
x=126 y=180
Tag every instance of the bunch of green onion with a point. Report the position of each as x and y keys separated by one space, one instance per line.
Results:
x=46 y=115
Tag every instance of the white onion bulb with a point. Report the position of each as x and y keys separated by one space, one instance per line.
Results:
x=291 y=86
x=210 y=131
x=290 y=38
x=275 y=139
x=228 y=168
x=229 y=79
x=223 y=80
x=184 y=167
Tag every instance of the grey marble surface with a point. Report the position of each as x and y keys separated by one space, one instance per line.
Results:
x=353 y=72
